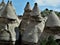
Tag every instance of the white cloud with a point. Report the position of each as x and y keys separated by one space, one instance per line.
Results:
x=57 y=9
x=48 y=2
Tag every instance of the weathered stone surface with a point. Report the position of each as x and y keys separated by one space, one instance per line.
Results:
x=9 y=23
x=31 y=27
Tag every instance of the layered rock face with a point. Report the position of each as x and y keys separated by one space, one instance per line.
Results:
x=9 y=22
x=32 y=24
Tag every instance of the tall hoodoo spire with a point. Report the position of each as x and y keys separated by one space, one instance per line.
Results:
x=36 y=10
x=27 y=8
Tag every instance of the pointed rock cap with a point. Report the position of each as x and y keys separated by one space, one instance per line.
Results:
x=8 y=12
x=53 y=20
x=11 y=3
x=46 y=9
x=36 y=10
x=27 y=8
x=8 y=2
x=2 y=3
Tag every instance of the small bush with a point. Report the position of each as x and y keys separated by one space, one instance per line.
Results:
x=50 y=41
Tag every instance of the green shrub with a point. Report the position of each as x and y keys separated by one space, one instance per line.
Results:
x=50 y=41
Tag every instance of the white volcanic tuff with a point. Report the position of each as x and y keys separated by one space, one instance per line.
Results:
x=57 y=37
x=4 y=35
x=27 y=6
x=32 y=31
x=53 y=20
x=36 y=11
x=9 y=13
x=12 y=29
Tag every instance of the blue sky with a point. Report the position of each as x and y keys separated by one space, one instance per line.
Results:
x=20 y=4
